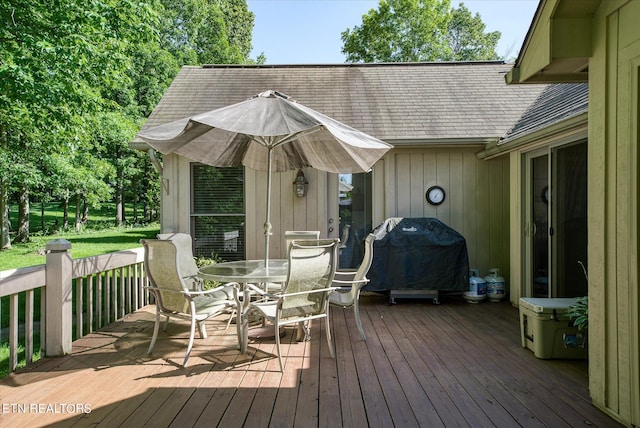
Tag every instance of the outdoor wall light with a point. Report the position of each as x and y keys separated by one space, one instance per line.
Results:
x=301 y=185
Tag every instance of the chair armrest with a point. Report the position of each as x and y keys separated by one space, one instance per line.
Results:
x=213 y=290
x=301 y=293
x=198 y=282
x=346 y=272
x=167 y=290
x=359 y=281
x=192 y=293
x=261 y=292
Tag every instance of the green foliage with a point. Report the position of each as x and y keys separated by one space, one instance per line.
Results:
x=579 y=313
x=4 y=358
x=77 y=80
x=467 y=38
x=99 y=235
x=419 y=30
x=207 y=31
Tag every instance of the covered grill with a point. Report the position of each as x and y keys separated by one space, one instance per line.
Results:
x=418 y=254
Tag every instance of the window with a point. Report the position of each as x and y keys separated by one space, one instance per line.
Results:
x=217 y=212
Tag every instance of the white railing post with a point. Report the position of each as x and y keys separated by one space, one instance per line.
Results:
x=58 y=289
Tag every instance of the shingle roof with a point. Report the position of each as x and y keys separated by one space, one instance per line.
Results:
x=556 y=103
x=417 y=102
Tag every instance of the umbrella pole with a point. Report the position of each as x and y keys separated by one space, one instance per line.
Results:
x=267 y=224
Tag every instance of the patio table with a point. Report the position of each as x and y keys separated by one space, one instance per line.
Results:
x=244 y=272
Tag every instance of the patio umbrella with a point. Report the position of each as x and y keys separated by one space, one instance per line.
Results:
x=268 y=132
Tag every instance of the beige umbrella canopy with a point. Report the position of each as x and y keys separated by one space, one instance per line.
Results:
x=268 y=132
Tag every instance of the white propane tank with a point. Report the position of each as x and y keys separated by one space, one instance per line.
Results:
x=477 y=284
x=477 y=288
x=495 y=285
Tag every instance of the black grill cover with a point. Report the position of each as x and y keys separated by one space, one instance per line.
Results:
x=418 y=253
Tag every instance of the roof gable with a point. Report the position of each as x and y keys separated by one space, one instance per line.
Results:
x=399 y=103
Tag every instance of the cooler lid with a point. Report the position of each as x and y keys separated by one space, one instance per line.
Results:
x=542 y=305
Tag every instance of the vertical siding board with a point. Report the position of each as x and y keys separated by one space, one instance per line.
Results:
x=287 y=222
x=260 y=204
x=470 y=206
x=403 y=196
x=379 y=197
x=275 y=216
x=611 y=378
x=430 y=179
x=443 y=160
x=597 y=184
x=416 y=187
x=627 y=209
x=496 y=224
x=505 y=254
x=483 y=216
x=456 y=191
x=390 y=188
x=250 y=212
x=319 y=214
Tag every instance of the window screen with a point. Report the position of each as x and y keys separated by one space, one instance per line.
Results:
x=217 y=212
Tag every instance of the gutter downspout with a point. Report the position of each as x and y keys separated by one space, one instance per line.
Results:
x=158 y=166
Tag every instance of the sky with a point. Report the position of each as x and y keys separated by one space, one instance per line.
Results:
x=308 y=31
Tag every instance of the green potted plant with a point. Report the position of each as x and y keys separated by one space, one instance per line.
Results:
x=579 y=313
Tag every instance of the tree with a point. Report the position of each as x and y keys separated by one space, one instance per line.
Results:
x=418 y=30
x=467 y=38
x=78 y=78
x=56 y=60
x=200 y=32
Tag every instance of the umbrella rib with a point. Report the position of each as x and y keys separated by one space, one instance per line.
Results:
x=288 y=138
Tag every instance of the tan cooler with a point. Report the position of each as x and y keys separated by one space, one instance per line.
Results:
x=547 y=330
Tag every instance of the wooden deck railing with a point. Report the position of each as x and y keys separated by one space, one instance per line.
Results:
x=75 y=297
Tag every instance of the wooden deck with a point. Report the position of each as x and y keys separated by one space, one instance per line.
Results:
x=453 y=364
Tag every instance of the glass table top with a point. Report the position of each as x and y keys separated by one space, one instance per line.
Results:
x=246 y=271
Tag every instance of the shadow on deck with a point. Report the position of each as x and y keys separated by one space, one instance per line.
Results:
x=454 y=364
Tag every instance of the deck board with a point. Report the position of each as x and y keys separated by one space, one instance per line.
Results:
x=453 y=364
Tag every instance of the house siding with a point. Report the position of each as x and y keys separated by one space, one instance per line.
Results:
x=613 y=178
x=613 y=205
x=476 y=203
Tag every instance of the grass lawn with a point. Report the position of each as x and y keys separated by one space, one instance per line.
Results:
x=98 y=236
x=83 y=244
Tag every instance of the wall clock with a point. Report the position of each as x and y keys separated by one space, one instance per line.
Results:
x=435 y=195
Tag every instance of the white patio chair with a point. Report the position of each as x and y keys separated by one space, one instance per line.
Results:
x=289 y=237
x=188 y=267
x=173 y=295
x=347 y=295
x=305 y=295
x=292 y=235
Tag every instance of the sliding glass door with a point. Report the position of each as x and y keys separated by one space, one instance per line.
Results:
x=556 y=221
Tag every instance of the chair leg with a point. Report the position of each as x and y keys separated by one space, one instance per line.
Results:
x=202 y=329
x=233 y=312
x=192 y=333
x=356 y=311
x=166 y=324
x=328 y=332
x=277 y=332
x=156 y=327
